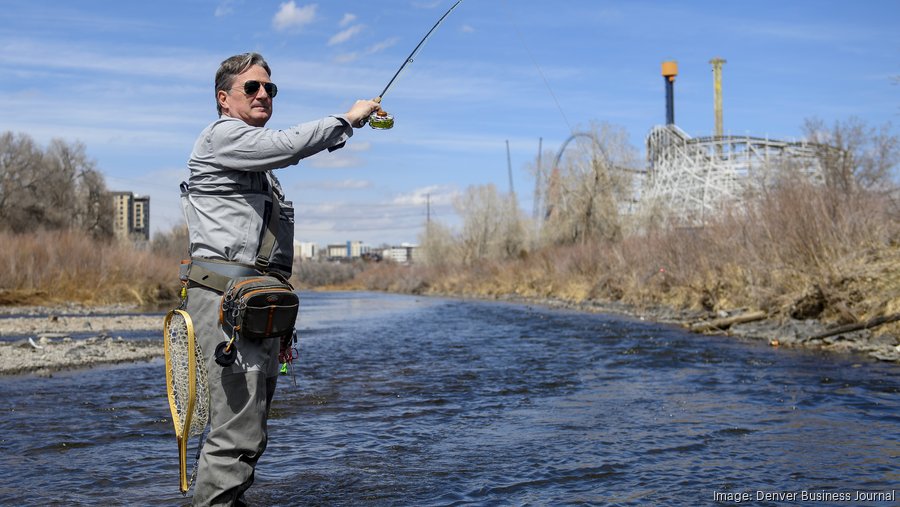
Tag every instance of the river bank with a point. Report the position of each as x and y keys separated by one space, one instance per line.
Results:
x=41 y=338
x=777 y=332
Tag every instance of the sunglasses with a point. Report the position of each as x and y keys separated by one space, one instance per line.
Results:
x=252 y=88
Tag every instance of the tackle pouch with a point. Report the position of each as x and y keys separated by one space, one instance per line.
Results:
x=258 y=307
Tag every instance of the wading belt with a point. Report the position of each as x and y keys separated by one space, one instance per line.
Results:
x=215 y=274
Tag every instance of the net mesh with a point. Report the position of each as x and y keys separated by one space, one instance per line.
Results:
x=178 y=354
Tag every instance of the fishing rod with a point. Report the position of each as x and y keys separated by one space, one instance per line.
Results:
x=381 y=119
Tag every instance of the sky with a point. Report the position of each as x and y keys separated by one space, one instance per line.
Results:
x=133 y=82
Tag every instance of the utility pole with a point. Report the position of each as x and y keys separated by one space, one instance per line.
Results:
x=536 y=208
x=512 y=191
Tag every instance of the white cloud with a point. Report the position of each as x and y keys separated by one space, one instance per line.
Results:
x=381 y=46
x=47 y=55
x=347 y=19
x=371 y=50
x=224 y=8
x=290 y=16
x=345 y=35
x=435 y=194
x=467 y=28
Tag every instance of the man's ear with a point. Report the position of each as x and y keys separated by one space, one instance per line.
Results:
x=221 y=95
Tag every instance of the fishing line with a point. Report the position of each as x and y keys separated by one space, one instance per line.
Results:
x=382 y=119
x=538 y=67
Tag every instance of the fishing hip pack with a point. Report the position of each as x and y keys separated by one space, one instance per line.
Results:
x=258 y=307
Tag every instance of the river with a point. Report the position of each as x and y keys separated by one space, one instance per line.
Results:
x=412 y=401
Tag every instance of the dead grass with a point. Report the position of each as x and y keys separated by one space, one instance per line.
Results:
x=51 y=267
x=798 y=252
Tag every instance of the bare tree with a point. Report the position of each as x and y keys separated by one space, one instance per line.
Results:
x=479 y=207
x=492 y=225
x=439 y=247
x=174 y=243
x=515 y=230
x=62 y=165
x=20 y=163
x=95 y=207
x=854 y=156
x=59 y=188
x=588 y=187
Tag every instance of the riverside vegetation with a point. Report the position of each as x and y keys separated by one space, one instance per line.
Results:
x=799 y=256
x=802 y=261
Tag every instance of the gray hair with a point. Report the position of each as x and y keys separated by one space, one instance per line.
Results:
x=234 y=66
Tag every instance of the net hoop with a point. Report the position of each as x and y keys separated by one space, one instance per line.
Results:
x=182 y=422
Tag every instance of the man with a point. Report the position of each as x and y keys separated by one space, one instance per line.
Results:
x=228 y=204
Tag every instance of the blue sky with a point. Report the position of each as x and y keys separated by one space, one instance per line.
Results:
x=132 y=81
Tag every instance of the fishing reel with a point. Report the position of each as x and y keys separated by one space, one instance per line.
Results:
x=381 y=120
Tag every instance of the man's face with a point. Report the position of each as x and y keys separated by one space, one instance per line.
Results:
x=254 y=109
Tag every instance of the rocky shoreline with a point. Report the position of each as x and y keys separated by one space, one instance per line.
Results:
x=43 y=336
x=788 y=333
x=43 y=340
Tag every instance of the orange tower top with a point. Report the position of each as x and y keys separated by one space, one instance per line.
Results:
x=670 y=70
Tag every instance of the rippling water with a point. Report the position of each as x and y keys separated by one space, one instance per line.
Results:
x=421 y=401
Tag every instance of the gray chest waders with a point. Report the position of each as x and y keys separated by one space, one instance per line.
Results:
x=256 y=303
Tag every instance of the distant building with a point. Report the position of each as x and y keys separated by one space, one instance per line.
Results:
x=357 y=249
x=403 y=254
x=142 y=216
x=348 y=250
x=304 y=250
x=131 y=216
x=338 y=251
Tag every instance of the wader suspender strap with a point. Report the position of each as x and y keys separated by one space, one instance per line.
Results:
x=218 y=281
x=267 y=246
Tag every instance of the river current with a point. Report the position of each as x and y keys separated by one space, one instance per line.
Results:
x=410 y=401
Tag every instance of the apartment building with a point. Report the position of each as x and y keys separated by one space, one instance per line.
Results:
x=131 y=216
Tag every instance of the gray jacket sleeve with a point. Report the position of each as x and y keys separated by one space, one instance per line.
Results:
x=227 y=202
x=232 y=144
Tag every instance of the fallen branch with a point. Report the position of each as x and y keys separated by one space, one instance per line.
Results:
x=849 y=328
x=724 y=323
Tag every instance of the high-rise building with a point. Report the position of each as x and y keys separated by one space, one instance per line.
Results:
x=131 y=219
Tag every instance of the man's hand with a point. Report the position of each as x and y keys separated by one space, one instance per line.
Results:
x=360 y=111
